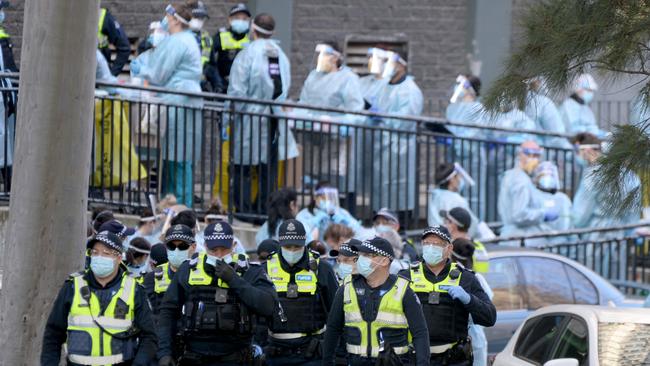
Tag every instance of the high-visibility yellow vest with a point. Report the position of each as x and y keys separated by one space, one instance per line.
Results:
x=480 y=259
x=198 y=276
x=161 y=283
x=419 y=282
x=206 y=47
x=3 y=34
x=306 y=280
x=390 y=315
x=102 y=39
x=228 y=42
x=103 y=348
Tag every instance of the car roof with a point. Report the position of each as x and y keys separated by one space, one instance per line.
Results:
x=604 y=314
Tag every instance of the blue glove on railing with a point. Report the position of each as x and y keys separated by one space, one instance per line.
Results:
x=551 y=214
x=458 y=293
x=135 y=66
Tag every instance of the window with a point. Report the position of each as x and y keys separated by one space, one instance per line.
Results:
x=356 y=49
x=546 y=282
x=537 y=337
x=574 y=342
x=503 y=278
x=584 y=292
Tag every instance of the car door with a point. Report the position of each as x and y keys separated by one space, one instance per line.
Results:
x=573 y=342
x=538 y=339
x=506 y=282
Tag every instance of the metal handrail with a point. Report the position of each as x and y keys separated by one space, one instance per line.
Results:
x=567 y=232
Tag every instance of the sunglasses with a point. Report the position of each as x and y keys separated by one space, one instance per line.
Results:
x=181 y=246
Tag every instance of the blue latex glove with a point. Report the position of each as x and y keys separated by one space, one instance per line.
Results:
x=458 y=293
x=319 y=218
x=136 y=66
x=551 y=214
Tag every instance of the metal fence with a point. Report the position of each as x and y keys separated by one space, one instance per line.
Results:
x=203 y=147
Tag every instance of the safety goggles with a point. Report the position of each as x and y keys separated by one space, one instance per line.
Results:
x=171 y=11
x=536 y=153
x=181 y=246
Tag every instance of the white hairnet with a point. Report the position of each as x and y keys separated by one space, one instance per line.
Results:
x=585 y=81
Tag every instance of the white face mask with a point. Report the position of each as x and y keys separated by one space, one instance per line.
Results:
x=196 y=24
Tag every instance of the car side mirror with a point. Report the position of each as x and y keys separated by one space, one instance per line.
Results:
x=562 y=362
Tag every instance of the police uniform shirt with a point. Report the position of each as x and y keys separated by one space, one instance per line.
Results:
x=221 y=62
x=150 y=285
x=253 y=289
x=369 y=300
x=480 y=306
x=56 y=328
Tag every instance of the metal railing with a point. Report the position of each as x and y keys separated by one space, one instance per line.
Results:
x=203 y=146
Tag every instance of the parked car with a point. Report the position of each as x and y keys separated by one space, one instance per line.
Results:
x=526 y=279
x=580 y=335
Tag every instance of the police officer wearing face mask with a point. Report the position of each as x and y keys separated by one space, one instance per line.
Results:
x=216 y=296
x=101 y=314
x=375 y=312
x=346 y=259
x=227 y=44
x=306 y=288
x=449 y=294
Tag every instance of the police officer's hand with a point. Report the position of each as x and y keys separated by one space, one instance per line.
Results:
x=459 y=293
x=224 y=271
x=166 y=361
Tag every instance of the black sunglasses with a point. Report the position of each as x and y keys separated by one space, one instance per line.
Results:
x=181 y=246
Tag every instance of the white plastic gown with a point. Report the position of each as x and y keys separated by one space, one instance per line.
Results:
x=579 y=118
x=336 y=89
x=176 y=64
x=470 y=154
x=371 y=87
x=443 y=199
x=249 y=78
x=394 y=162
x=320 y=220
x=477 y=332
x=515 y=119
x=520 y=207
x=562 y=203
x=546 y=115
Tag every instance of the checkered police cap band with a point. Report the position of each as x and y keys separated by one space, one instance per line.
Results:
x=105 y=239
x=374 y=249
x=436 y=231
x=220 y=237
x=293 y=237
x=179 y=236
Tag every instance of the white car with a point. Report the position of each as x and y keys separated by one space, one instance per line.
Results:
x=580 y=335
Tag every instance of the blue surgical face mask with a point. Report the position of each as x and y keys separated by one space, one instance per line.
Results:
x=364 y=266
x=587 y=96
x=432 y=254
x=239 y=26
x=2 y=16
x=292 y=257
x=383 y=229
x=212 y=259
x=327 y=206
x=164 y=24
x=102 y=266
x=344 y=269
x=141 y=268
x=176 y=257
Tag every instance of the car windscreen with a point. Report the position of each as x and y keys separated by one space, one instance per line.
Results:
x=623 y=343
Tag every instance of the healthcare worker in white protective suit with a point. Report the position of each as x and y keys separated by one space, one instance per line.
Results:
x=394 y=166
x=547 y=181
x=175 y=64
x=576 y=111
x=324 y=210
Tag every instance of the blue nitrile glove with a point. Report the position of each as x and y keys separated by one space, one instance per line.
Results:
x=458 y=293
x=135 y=67
x=551 y=214
x=320 y=217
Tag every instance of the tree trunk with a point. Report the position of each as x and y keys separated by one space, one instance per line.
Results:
x=47 y=213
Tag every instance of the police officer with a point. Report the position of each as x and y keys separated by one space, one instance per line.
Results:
x=458 y=220
x=203 y=37
x=216 y=296
x=227 y=43
x=346 y=259
x=101 y=314
x=109 y=32
x=449 y=295
x=306 y=287
x=375 y=312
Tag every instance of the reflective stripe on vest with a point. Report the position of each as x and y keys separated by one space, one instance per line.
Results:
x=80 y=320
x=419 y=282
x=161 y=285
x=285 y=336
x=228 y=42
x=198 y=276
x=305 y=279
x=3 y=34
x=102 y=39
x=481 y=260
x=389 y=315
x=206 y=47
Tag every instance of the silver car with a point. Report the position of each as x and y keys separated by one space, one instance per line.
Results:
x=524 y=280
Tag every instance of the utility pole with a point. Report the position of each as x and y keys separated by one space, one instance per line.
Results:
x=47 y=212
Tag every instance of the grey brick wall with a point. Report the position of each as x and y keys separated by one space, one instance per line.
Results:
x=436 y=30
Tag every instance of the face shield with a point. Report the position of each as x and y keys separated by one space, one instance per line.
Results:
x=546 y=177
x=461 y=88
x=529 y=158
x=392 y=60
x=171 y=11
x=464 y=176
x=376 y=61
x=328 y=199
x=326 y=58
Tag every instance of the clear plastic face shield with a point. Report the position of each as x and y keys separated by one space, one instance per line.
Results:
x=171 y=11
x=328 y=199
x=376 y=61
x=326 y=58
x=157 y=33
x=461 y=88
x=546 y=177
x=464 y=176
x=392 y=61
x=529 y=158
